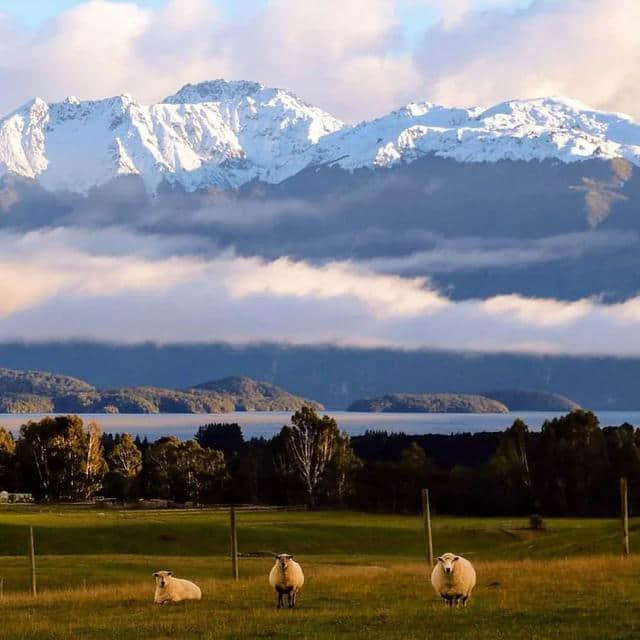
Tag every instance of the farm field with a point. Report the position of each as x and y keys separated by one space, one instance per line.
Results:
x=366 y=576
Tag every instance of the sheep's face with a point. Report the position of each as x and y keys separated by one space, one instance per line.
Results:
x=448 y=561
x=162 y=577
x=283 y=560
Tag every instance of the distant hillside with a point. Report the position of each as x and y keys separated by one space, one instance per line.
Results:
x=527 y=400
x=336 y=376
x=252 y=395
x=429 y=403
x=40 y=382
x=42 y=392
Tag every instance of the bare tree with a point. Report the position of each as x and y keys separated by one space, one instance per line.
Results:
x=310 y=443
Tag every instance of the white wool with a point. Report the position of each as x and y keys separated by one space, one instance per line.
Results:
x=457 y=585
x=174 y=589
x=291 y=577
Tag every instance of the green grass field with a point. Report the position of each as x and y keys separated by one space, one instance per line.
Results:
x=366 y=576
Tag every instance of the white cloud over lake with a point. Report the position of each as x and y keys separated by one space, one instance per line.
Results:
x=61 y=284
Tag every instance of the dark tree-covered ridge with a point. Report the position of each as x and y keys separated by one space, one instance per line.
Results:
x=43 y=392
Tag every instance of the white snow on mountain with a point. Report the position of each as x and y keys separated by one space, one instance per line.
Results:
x=547 y=128
x=224 y=134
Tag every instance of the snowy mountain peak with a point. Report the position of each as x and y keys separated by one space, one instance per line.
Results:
x=224 y=134
x=215 y=91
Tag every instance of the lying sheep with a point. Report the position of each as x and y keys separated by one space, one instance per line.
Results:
x=170 y=589
x=286 y=577
x=453 y=578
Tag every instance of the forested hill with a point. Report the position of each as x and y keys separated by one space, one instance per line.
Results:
x=429 y=403
x=43 y=392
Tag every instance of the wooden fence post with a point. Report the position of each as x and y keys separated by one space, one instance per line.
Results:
x=426 y=515
x=624 y=508
x=32 y=555
x=234 y=543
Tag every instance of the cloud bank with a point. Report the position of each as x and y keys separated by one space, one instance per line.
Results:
x=70 y=287
x=351 y=57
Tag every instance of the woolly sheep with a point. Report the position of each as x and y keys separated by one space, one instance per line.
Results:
x=453 y=578
x=286 y=577
x=170 y=589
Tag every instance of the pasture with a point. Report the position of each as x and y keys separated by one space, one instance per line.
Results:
x=366 y=576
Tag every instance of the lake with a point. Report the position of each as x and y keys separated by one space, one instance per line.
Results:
x=267 y=424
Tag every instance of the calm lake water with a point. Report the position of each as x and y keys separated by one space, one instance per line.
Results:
x=267 y=424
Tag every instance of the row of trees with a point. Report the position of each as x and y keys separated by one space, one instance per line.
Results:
x=570 y=467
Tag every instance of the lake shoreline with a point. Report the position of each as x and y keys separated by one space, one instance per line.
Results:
x=268 y=423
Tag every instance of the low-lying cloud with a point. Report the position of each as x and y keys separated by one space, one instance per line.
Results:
x=59 y=284
x=466 y=254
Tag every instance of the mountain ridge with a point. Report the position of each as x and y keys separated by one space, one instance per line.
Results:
x=225 y=134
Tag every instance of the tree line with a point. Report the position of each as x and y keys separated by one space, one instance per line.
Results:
x=570 y=467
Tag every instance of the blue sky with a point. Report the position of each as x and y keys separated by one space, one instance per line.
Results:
x=415 y=16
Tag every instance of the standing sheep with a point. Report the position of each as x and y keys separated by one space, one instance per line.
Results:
x=453 y=578
x=286 y=577
x=170 y=589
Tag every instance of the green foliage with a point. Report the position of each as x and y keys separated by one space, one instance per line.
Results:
x=309 y=444
x=572 y=462
x=59 y=459
x=226 y=437
x=184 y=471
x=570 y=467
x=7 y=459
x=125 y=457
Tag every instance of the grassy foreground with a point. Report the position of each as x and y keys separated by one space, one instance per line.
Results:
x=365 y=577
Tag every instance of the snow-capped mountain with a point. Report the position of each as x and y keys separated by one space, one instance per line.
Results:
x=548 y=128
x=225 y=134
x=212 y=134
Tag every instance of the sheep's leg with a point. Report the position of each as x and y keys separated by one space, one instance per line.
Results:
x=279 y=603
x=292 y=599
x=464 y=600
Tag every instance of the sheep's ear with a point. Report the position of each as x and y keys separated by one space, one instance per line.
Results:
x=456 y=559
x=155 y=575
x=440 y=559
x=169 y=573
x=290 y=557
